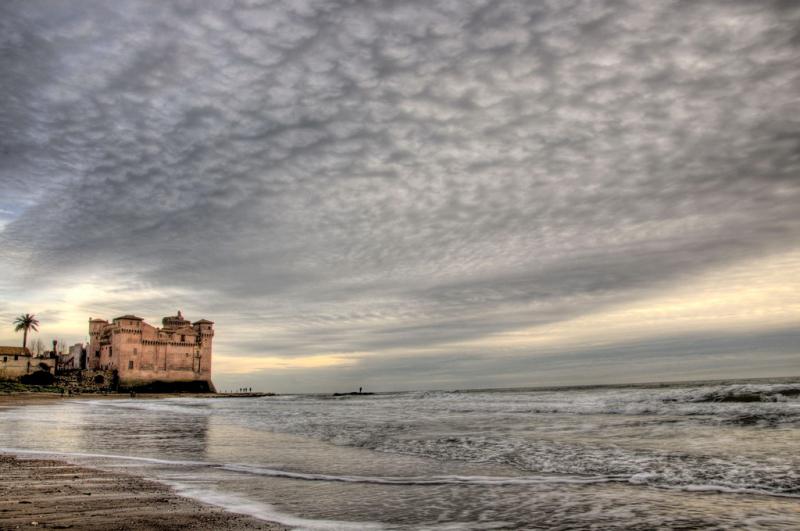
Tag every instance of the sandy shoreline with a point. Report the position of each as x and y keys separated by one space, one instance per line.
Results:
x=43 y=493
x=28 y=398
x=33 y=398
x=51 y=494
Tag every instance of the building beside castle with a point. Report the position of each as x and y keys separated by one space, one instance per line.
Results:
x=177 y=355
x=16 y=362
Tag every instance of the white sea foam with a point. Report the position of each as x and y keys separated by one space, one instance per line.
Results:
x=263 y=511
x=208 y=495
x=426 y=480
x=675 y=482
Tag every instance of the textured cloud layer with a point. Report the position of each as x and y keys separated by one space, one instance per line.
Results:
x=329 y=177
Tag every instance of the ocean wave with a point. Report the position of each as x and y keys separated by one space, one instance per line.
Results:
x=663 y=480
x=702 y=479
x=426 y=480
x=634 y=465
x=743 y=393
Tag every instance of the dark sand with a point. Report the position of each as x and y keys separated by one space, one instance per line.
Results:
x=48 y=494
x=41 y=493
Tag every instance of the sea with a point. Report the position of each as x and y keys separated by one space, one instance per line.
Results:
x=702 y=455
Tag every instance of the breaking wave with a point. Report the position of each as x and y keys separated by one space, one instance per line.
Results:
x=426 y=480
x=702 y=480
x=514 y=428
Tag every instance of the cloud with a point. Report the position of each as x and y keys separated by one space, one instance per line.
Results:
x=320 y=176
x=702 y=356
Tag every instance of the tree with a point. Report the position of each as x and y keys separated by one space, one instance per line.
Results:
x=26 y=322
x=37 y=347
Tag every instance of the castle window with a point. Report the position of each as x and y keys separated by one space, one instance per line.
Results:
x=109 y=352
x=96 y=353
x=183 y=338
x=130 y=364
x=16 y=357
x=5 y=359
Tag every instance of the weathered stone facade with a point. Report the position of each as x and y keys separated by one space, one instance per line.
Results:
x=141 y=354
x=85 y=381
x=16 y=362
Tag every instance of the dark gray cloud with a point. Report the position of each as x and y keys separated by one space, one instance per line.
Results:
x=371 y=175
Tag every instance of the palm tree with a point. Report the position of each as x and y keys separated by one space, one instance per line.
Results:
x=26 y=322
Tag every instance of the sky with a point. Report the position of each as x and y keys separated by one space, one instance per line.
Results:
x=411 y=194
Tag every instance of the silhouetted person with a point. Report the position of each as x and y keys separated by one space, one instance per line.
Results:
x=359 y=390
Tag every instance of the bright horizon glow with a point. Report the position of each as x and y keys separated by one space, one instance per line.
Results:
x=756 y=295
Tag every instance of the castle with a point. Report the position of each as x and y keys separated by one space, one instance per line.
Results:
x=176 y=356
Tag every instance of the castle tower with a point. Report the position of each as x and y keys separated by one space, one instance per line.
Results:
x=175 y=321
x=205 y=334
x=96 y=327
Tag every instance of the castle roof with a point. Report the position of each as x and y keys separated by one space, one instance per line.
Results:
x=129 y=317
x=203 y=321
x=14 y=351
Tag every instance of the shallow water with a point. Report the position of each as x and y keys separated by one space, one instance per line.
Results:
x=695 y=456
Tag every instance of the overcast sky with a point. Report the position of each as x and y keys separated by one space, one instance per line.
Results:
x=411 y=195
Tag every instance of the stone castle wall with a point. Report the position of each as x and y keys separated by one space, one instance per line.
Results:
x=141 y=353
x=87 y=381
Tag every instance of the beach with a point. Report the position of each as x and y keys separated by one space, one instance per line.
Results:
x=50 y=494
x=55 y=494
x=713 y=455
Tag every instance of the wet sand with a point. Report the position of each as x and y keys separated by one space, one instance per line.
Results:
x=49 y=494
x=22 y=399
x=32 y=398
x=42 y=493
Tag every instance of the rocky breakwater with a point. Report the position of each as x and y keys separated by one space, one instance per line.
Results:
x=87 y=381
